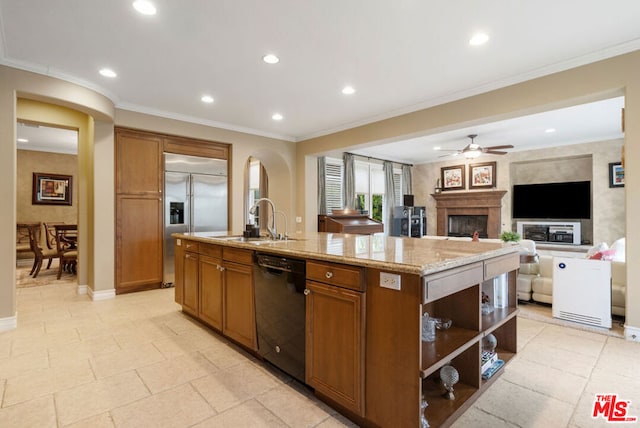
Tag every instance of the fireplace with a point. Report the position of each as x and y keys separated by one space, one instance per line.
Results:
x=469 y=210
x=466 y=225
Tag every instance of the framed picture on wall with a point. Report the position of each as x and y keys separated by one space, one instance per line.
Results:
x=482 y=175
x=452 y=177
x=51 y=189
x=616 y=174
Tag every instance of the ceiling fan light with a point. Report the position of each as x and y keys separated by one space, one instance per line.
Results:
x=472 y=154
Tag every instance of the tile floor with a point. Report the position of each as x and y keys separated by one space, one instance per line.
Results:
x=137 y=361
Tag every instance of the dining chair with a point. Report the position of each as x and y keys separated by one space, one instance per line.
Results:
x=66 y=240
x=39 y=253
x=50 y=237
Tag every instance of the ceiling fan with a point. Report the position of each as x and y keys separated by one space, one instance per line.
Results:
x=473 y=150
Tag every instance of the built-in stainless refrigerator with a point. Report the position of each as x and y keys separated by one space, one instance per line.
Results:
x=195 y=200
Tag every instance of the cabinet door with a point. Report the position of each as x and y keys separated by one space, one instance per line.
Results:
x=211 y=280
x=138 y=243
x=190 y=283
x=138 y=163
x=335 y=344
x=178 y=259
x=239 y=309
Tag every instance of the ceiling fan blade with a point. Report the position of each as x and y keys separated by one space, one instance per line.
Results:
x=494 y=152
x=507 y=146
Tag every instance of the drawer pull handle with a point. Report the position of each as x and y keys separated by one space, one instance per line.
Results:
x=220 y=268
x=307 y=291
x=329 y=275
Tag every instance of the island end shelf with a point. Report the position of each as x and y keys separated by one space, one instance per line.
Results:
x=455 y=294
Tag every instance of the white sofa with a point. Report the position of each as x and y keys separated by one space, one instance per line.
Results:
x=535 y=282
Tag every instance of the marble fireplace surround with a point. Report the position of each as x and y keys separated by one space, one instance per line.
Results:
x=487 y=203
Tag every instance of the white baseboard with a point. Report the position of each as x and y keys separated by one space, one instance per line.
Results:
x=82 y=289
x=101 y=294
x=632 y=333
x=9 y=323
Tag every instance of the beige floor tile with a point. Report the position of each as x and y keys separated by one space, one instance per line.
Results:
x=612 y=360
x=547 y=380
x=97 y=397
x=142 y=333
x=124 y=360
x=38 y=413
x=222 y=355
x=523 y=407
x=178 y=407
x=478 y=419
x=15 y=366
x=68 y=324
x=527 y=330
x=228 y=388
x=292 y=407
x=184 y=343
x=103 y=420
x=571 y=340
x=23 y=345
x=249 y=414
x=562 y=359
x=82 y=350
x=176 y=371
x=38 y=383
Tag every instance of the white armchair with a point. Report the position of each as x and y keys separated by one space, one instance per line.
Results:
x=528 y=269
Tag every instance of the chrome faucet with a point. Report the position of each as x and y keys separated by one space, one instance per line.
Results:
x=272 y=230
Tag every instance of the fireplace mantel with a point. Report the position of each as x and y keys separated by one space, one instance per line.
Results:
x=487 y=203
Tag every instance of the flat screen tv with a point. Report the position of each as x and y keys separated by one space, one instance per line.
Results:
x=569 y=200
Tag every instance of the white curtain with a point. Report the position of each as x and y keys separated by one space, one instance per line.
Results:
x=349 y=182
x=322 y=192
x=407 y=187
x=389 y=197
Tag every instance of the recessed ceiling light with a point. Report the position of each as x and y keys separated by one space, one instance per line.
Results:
x=550 y=130
x=277 y=116
x=207 y=99
x=107 y=72
x=348 y=90
x=145 y=7
x=479 y=39
x=271 y=59
x=22 y=140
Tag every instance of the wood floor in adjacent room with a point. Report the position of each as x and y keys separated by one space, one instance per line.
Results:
x=138 y=361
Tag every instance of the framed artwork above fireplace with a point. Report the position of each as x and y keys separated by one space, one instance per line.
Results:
x=452 y=177
x=482 y=175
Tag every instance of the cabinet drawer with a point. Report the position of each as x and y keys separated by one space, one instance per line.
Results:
x=190 y=246
x=211 y=250
x=335 y=274
x=499 y=265
x=237 y=255
x=451 y=281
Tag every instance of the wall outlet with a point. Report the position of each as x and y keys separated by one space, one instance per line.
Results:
x=390 y=280
x=298 y=219
x=632 y=334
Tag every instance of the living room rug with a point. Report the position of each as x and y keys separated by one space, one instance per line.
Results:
x=542 y=312
x=45 y=277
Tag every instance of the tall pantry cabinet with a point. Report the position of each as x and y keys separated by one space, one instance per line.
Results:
x=138 y=211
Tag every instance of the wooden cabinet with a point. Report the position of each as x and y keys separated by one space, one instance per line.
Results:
x=138 y=211
x=139 y=202
x=211 y=290
x=215 y=285
x=239 y=309
x=190 y=282
x=335 y=334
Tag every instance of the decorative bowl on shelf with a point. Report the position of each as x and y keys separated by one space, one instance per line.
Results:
x=443 y=323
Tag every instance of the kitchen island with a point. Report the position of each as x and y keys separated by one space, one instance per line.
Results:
x=365 y=299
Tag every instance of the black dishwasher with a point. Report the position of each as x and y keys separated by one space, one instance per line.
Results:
x=280 y=312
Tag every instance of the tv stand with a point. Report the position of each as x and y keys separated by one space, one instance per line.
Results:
x=553 y=232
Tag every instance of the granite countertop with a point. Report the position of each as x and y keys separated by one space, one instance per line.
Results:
x=400 y=254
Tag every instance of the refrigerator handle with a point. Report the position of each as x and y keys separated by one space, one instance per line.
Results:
x=191 y=207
